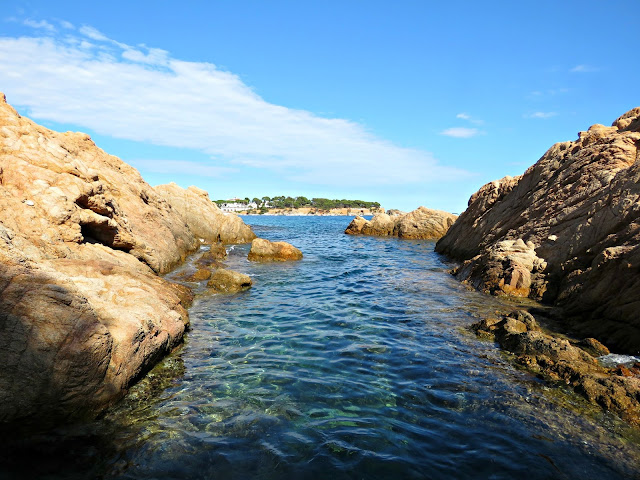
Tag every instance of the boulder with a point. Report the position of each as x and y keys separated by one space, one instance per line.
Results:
x=355 y=227
x=577 y=213
x=228 y=281
x=198 y=276
x=83 y=312
x=204 y=217
x=265 y=251
x=381 y=225
x=422 y=223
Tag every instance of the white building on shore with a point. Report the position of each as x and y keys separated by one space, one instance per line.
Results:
x=235 y=205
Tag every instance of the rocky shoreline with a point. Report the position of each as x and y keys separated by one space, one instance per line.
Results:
x=307 y=211
x=565 y=233
x=84 y=310
x=575 y=363
x=84 y=242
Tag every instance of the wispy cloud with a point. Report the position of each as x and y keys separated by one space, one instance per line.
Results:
x=550 y=92
x=460 y=132
x=84 y=78
x=584 y=69
x=177 y=167
x=469 y=118
x=43 y=24
x=541 y=115
x=93 y=33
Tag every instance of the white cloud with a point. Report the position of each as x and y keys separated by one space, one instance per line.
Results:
x=460 y=132
x=93 y=33
x=155 y=56
x=542 y=115
x=177 y=167
x=67 y=25
x=144 y=94
x=469 y=118
x=42 y=24
x=583 y=69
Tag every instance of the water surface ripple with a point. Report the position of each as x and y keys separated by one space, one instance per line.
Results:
x=355 y=363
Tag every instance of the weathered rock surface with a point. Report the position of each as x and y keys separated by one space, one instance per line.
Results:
x=566 y=232
x=559 y=359
x=228 y=281
x=356 y=225
x=422 y=223
x=205 y=219
x=265 y=251
x=83 y=312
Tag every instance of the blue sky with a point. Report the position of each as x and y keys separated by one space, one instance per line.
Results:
x=408 y=103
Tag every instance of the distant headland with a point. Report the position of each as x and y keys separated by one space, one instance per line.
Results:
x=285 y=205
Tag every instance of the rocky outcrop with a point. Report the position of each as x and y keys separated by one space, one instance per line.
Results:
x=422 y=223
x=573 y=363
x=566 y=232
x=204 y=217
x=228 y=281
x=381 y=225
x=83 y=312
x=395 y=211
x=265 y=251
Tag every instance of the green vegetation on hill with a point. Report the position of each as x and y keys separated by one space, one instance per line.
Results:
x=298 y=202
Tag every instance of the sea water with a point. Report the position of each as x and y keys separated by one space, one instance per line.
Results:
x=354 y=363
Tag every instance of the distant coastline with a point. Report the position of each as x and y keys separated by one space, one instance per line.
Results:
x=310 y=211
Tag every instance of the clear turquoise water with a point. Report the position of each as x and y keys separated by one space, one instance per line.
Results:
x=354 y=363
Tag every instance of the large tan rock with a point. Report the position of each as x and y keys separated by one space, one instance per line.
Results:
x=228 y=281
x=265 y=251
x=355 y=227
x=577 y=211
x=204 y=218
x=83 y=312
x=381 y=225
x=422 y=223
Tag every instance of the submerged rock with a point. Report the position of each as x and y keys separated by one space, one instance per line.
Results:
x=567 y=232
x=197 y=276
x=422 y=223
x=559 y=359
x=265 y=251
x=228 y=281
x=83 y=313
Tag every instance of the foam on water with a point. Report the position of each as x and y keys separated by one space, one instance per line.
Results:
x=614 y=359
